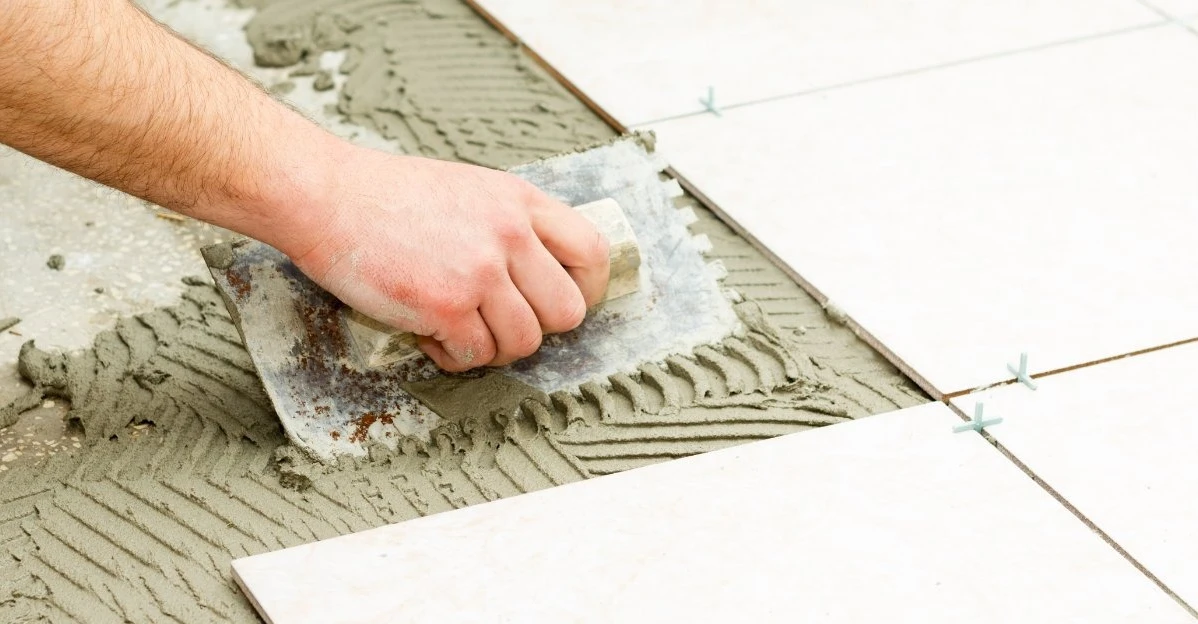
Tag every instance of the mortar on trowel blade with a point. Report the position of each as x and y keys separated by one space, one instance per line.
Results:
x=377 y=344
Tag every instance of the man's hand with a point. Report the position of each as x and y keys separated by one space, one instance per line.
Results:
x=469 y=257
x=478 y=261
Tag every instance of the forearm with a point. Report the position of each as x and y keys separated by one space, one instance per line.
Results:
x=98 y=88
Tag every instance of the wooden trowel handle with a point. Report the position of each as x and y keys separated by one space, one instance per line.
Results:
x=380 y=345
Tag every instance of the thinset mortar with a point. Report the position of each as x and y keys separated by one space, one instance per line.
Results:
x=182 y=466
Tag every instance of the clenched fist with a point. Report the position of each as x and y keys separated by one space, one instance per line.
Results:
x=478 y=262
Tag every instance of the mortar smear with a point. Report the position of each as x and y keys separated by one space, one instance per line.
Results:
x=182 y=466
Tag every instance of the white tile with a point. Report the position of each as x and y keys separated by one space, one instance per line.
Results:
x=1176 y=8
x=1117 y=441
x=1042 y=202
x=643 y=60
x=891 y=518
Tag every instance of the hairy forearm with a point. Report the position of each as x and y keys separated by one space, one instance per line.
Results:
x=100 y=89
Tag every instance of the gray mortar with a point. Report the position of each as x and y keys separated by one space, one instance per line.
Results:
x=183 y=467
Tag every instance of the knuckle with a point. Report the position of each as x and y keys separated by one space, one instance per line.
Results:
x=527 y=341
x=456 y=362
x=570 y=312
x=442 y=359
x=444 y=307
x=527 y=192
x=488 y=269
x=573 y=314
x=451 y=302
x=513 y=231
x=485 y=352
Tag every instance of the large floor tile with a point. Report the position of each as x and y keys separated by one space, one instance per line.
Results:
x=1117 y=441
x=1177 y=8
x=1040 y=202
x=642 y=60
x=894 y=518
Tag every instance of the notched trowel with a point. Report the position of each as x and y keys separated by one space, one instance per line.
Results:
x=336 y=378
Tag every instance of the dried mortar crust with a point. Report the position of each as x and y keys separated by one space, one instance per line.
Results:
x=141 y=522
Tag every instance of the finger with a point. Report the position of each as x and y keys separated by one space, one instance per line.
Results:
x=550 y=291
x=467 y=344
x=576 y=244
x=512 y=322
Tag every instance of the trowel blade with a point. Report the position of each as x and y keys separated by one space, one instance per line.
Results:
x=332 y=405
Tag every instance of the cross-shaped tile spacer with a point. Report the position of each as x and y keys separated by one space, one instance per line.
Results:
x=709 y=102
x=978 y=423
x=1021 y=372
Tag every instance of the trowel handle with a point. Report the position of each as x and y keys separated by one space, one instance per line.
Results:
x=377 y=344
x=624 y=253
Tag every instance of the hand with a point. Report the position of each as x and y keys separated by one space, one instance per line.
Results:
x=478 y=262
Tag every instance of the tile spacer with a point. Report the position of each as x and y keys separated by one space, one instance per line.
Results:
x=1021 y=372
x=978 y=423
x=709 y=102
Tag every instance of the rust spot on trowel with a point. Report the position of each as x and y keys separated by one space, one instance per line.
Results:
x=362 y=425
x=325 y=343
x=238 y=284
